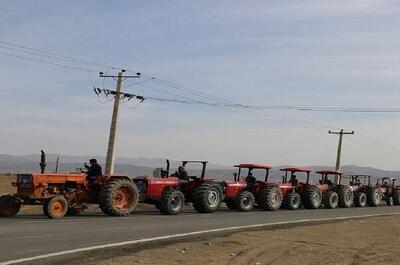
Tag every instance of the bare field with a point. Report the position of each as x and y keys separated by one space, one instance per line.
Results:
x=362 y=241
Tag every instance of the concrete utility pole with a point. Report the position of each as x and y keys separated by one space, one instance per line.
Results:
x=109 y=169
x=339 y=149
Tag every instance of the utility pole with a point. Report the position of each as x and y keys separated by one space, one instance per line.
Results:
x=109 y=169
x=339 y=149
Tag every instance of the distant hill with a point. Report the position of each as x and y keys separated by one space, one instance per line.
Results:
x=145 y=166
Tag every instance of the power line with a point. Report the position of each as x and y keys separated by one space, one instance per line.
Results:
x=47 y=62
x=252 y=110
x=54 y=55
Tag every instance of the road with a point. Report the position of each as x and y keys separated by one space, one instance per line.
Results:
x=32 y=235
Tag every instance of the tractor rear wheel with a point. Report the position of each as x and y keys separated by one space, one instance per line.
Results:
x=374 y=197
x=293 y=201
x=171 y=202
x=360 y=199
x=312 y=198
x=207 y=197
x=56 y=207
x=331 y=200
x=396 y=197
x=346 y=197
x=244 y=201
x=270 y=198
x=118 y=197
x=9 y=206
x=230 y=203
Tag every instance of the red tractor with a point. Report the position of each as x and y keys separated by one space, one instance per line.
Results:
x=388 y=191
x=69 y=193
x=365 y=192
x=310 y=195
x=169 y=193
x=241 y=194
x=334 y=193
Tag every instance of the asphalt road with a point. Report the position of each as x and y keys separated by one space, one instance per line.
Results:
x=32 y=235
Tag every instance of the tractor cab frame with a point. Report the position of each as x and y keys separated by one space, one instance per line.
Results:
x=243 y=192
x=169 y=193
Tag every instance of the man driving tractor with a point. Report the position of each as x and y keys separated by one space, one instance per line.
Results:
x=93 y=171
x=182 y=173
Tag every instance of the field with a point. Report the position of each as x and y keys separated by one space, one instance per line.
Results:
x=362 y=241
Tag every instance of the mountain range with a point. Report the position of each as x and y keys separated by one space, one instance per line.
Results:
x=146 y=166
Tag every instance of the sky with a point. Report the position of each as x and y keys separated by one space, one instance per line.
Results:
x=308 y=53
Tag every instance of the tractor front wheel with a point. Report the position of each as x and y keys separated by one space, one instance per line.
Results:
x=9 y=206
x=360 y=199
x=207 y=197
x=331 y=200
x=244 y=201
x=374 y=197
x=56 y=207
x=389 y=201
x=346 y=197
x=118 y=197
x=171 y=202
x=293 y=201
x=270 y=198
x=312 y=198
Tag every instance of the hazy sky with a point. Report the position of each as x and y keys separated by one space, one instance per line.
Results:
x=315 y=53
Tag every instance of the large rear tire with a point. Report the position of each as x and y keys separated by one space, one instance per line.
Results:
x=374 y=197
x=312 y=198
x=207 y=197
x=171 y=202
x=331 y=200
x=360 y=199
x=396 y=197
x=9 y=206
x=118 y=197
x=346 y=197
x=244 y=202
x=56 y=207
x=293 y=201
x=270 y=198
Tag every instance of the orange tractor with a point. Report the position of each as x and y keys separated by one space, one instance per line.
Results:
x=70 y=193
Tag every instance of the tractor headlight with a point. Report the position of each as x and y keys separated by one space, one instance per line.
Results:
x=25 y=180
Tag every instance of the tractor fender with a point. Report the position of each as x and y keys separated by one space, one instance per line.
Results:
x=118 y=177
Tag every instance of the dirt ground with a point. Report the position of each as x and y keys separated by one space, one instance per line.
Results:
x=362 y=241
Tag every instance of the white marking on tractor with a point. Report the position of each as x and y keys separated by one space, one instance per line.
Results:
x=146 y=240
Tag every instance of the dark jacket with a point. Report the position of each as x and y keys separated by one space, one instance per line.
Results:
x=94 y=171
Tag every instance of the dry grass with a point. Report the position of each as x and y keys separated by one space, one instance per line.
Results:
x=5 y=184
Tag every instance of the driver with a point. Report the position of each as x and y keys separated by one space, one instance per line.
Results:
x=293 y=180
x=250 y=179
x=94 y=170
x=182 y=173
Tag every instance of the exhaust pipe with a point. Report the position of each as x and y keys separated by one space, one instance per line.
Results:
x=42 y=162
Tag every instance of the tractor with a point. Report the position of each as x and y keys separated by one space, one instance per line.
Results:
x=169 y=193
x=241 y=194
x=310 y=195
x=333 y=192
x=388 y=191
x=69 y=193
x=364 y=192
